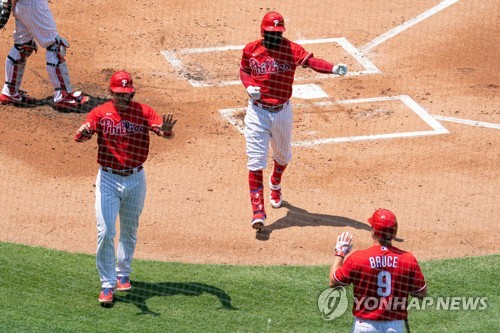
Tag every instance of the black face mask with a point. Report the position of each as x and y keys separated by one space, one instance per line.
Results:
x=272 y=39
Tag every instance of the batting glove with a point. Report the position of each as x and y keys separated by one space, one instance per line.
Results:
x=254 y=92
x=344 y=244
x=339 y=69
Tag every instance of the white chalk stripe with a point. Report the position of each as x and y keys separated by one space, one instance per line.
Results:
x=393 y=32
x=420 y=111
x=240 y=47
x=468 y=122
x=356 y=54
x=363 y=138
x=228 y=115
x=170 y=56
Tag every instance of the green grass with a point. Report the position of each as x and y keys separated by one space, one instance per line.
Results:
x=49 y=291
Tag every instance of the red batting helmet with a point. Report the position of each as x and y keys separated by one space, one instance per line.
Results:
x=384 y=224
x=272 y=21
x=121 y=82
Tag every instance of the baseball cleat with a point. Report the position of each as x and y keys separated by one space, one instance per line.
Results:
x=106 y=295
x=258 y=224
x=18 y=98
x=71 y=102
x=258 y=221
x=123 y=283
x=275 y=197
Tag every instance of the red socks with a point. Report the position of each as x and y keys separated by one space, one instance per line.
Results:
x=277 y=173
x=255 y=180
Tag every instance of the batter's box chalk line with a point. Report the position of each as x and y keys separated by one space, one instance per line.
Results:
x=174 y=58
x=235 y=117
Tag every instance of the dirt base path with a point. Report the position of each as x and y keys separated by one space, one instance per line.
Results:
x=444 y=188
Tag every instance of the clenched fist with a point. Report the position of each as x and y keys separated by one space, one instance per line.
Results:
x=339 y=69
x=254 y=92
x=84 y=133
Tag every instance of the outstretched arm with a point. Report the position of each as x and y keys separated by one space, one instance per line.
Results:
x=325 y=67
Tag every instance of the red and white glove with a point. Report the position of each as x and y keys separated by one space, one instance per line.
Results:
x=339 y=69
x=344 y=244
x=254 y=92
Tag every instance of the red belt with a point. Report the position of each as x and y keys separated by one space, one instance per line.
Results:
x=123 y=173
x=270 y=108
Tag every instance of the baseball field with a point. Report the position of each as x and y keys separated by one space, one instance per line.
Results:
x=414 y=127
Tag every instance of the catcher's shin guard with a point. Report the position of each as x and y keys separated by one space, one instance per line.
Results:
x=57 y=68
x=15 y=65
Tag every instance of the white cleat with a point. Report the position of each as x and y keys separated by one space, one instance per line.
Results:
x=275 y=198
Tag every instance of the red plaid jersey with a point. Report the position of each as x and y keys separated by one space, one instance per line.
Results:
x=382 y=277
x=123 y=138
x=273 y=70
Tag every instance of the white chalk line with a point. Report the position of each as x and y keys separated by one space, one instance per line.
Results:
x=369 y=67
x=437 y=128
x=468 y=122
x=393 y=32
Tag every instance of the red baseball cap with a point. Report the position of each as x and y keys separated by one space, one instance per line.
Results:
x=121 y=82
x=272 y=21
x=384 y=223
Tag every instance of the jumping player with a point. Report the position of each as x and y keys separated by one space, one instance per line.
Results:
x=267 y=71
x=35 y=26
x=383 y=277
x=122 y=128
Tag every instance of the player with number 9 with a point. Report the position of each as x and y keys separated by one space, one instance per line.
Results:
x=383 y=277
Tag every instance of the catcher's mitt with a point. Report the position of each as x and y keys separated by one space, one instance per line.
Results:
x=5 y=9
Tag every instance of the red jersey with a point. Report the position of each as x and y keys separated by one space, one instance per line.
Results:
x=382 y=277
x=123 y=138
x=273 y=70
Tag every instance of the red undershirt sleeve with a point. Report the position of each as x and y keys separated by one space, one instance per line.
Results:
x=319 y=65
x=246 y=78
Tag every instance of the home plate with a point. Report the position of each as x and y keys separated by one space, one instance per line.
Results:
x=308 y=91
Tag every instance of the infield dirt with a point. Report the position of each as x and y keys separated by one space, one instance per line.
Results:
x=443 y=188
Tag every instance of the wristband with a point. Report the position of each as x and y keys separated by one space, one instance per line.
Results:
x=339 y=254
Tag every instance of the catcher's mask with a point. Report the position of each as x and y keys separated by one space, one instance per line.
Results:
x=272 y=22
x=384 y=224
x=121 y=82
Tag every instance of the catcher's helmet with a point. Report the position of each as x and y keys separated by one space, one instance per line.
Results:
x=384 y=224
x=272 y=21
x=121 y=82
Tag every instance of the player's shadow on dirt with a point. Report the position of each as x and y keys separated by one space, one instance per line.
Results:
x=142 y=291
x=298 y=217
x=49 y=100
x=85 y=108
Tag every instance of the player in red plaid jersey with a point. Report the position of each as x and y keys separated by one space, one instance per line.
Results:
x=383 y=277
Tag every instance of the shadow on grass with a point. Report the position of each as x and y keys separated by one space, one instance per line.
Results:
x=298 y=217
x=142 y=291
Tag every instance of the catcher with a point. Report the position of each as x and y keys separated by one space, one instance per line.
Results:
x=6 y=8
x=35 y=26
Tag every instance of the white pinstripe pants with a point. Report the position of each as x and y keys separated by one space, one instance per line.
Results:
x=123 y=196
x=34 y=20
x=373 y=326
x=263 y=128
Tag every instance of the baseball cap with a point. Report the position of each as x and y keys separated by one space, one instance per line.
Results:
x=121 y=82
x=273 y=21
x=384 y=223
